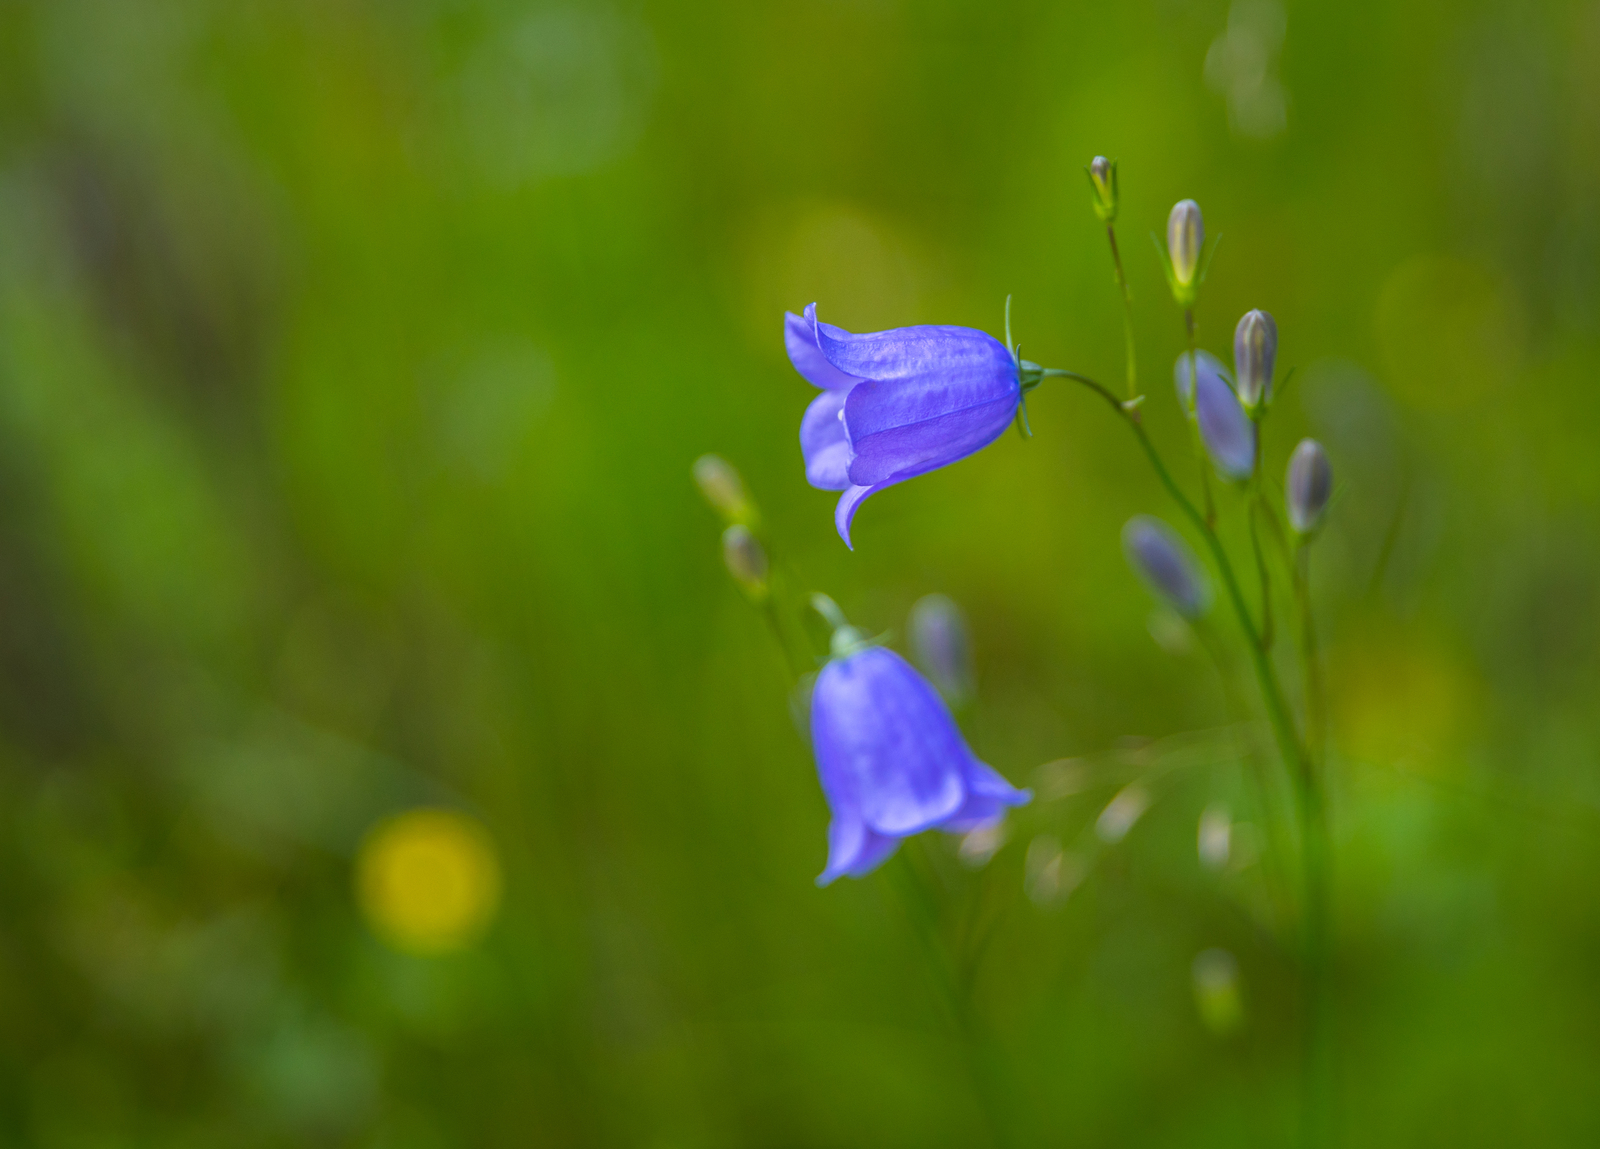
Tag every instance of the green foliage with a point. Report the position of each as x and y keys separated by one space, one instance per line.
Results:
x=353 y=357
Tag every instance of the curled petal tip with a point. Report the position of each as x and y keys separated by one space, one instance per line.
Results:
x=845 y=512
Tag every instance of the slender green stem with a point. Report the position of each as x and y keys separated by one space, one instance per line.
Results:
x=1266 y=582
x=984 y=1062
x=1194 y=419
x=1316 y=698
x=774 y=617
x=1258 y=502
x=1313 y=821
x=1390 y=537
x=1318 y=1052
x=1127 y=312
x=1278 y=851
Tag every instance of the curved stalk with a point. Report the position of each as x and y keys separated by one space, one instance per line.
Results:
x=984 y=1061
x=1194 y=419
x=1257 y=501
x=1314 y=833
x=1127 y=315
x=1272 y=694
x=1308 y=785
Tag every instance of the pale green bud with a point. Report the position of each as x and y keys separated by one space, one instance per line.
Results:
x=747 y=561
x=724 y=489
x=1186 y=235
x=1103 y=178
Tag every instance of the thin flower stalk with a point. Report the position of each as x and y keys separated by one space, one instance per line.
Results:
x=1308 y=783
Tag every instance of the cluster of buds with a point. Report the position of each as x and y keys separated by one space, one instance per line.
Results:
x=742 y=551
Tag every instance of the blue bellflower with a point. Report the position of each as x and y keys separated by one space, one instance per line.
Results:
x=892 y=762
x=895 y=404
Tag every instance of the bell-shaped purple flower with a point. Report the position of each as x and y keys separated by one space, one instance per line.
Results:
x=892 y=761
x=1228 y=433
x=895 y=404
x=1167 y=565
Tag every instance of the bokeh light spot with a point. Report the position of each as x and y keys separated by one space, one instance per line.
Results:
x=428 y=881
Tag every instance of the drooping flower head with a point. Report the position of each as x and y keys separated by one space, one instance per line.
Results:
x=1307 y=486
x=1227 y=432
x=1166 y=564
x=891 y=759
x=896 y=404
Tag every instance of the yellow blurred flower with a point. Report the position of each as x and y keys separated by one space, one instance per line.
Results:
x=428 y=880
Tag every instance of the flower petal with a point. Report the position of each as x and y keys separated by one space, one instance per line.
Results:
x=988 y=796
x=887 y=749
x=800 y=339
x=845 y=512
x=926 y=352
x=824 y=444
x=854 y=850
x=916 y=446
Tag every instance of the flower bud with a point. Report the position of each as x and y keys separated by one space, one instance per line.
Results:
x=747 y=562
x=1216 y=990
x=1215 y=837
x=1226 y=431
x=724 y=489
x=1103 y=178
x=1307 y=486
x=1186 y=235
x=1255 y=349
x=939 y=642
x=1183 y=371
x=1166 y=565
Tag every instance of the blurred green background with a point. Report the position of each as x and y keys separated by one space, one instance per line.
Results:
x=353 y=355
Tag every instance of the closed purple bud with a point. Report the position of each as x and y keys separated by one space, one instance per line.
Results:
x=723 y=489
x=1186 y=235
x=892 y=762
x=1181 y=372
x=1255 y=350
x=895 y=404
x=1225 y=429
x=1103 y=178
x=1166 y=565
x=1308 y=485
x=939 y=642
x=746 y=560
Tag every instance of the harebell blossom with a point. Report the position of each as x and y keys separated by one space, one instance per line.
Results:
x=896 y=404
x=891 y=759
